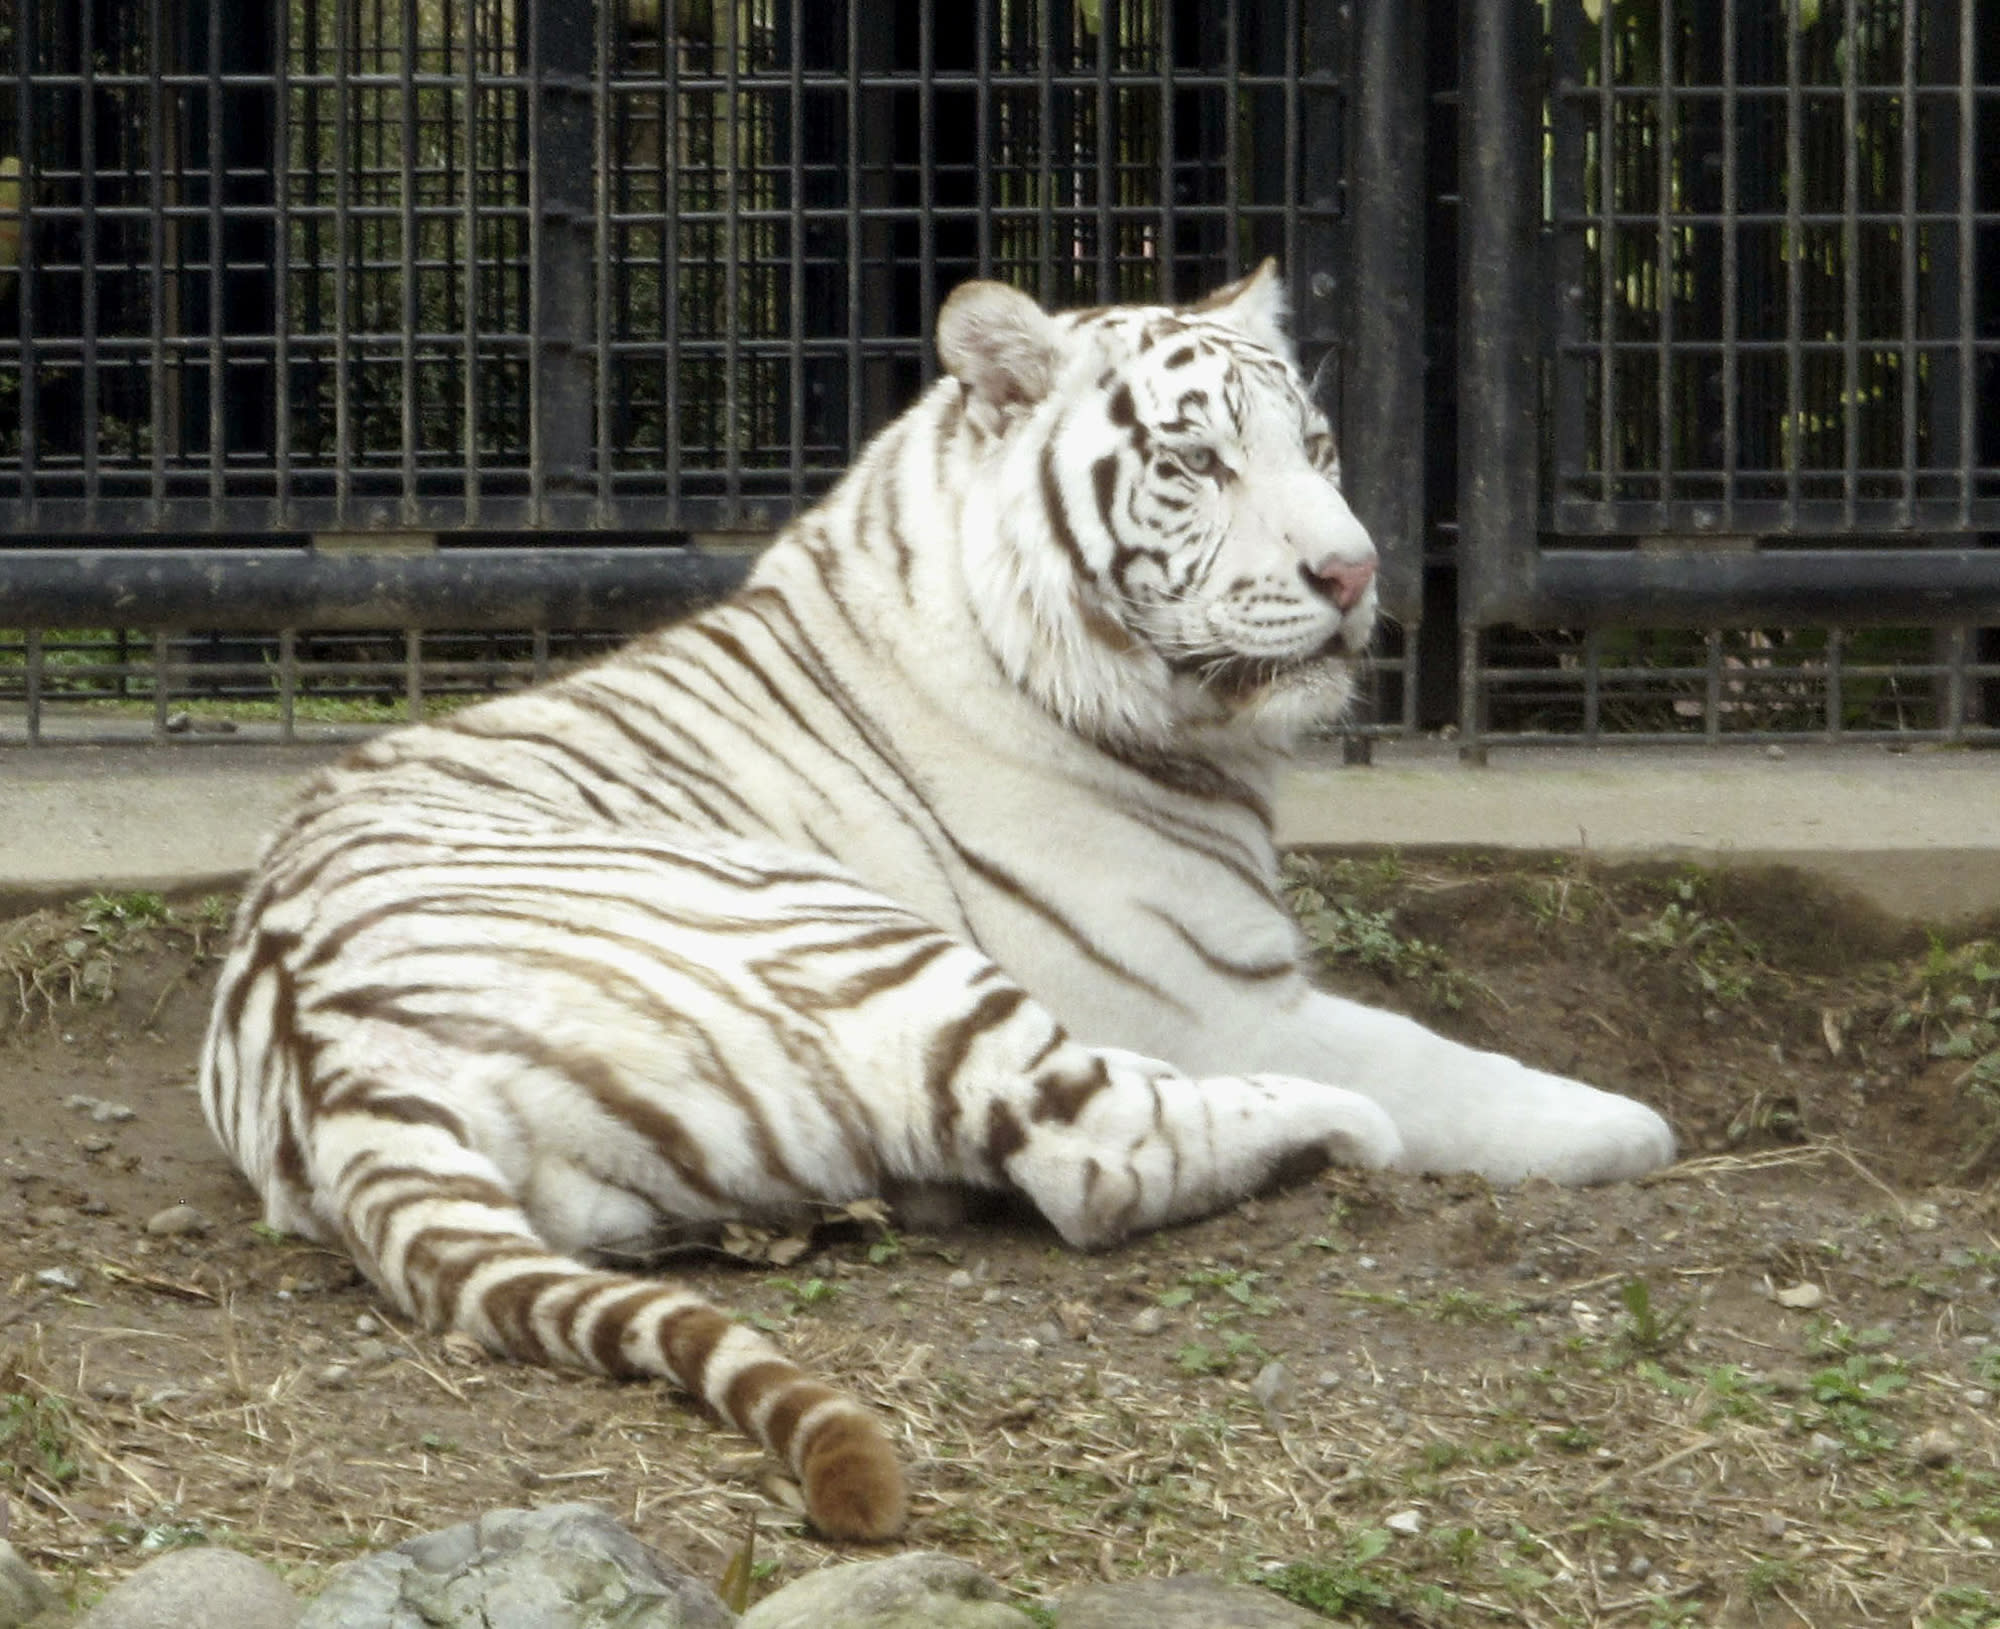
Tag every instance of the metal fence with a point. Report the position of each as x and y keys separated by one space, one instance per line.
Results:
x=449 y=265
x=1666 y=336
x=1730 y=370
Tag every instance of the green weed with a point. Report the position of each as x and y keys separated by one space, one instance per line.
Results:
x=35 y=1439
x=1343 y=929
x=806 y=1295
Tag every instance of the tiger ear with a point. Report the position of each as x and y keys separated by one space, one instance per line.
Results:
x=1255 y=306
x=996 y=340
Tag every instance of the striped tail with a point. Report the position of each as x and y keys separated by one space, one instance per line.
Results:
x=456 y=1249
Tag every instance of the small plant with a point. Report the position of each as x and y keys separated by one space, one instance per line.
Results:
x=1646 y=1330
x=1963 y=1607
x=1718 y=960
x=110 y=915
x=1346 y=1583
x=1849 y=1399
x=1463 y=1306
x=35 y=1439
x=1341 y=928
x=806 y=1295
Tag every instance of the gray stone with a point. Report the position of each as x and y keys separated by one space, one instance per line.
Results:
x=921 y=1590
x=177 y=1221
x=23 y=1595
x=1193 y=1601
x=193 y=1589
x=563 y=1567
x=1275 y=1389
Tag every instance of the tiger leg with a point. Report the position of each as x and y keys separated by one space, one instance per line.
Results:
x=437 y=1225
x=1106 y=1143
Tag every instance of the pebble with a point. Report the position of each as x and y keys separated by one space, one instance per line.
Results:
x=57 y=1278
x=96 y=1145
x=1936 y=1447
x=959 y=1280
x=1275 y=1389
x=335 y=1375
x=1822 y=1446
x=1148 y=1321
x=1327 y=1379
x=1977 y=1398
x=368 y=1324
x=1775 y=1526
x=1775 y=753
x=1638 y=1567
x=1802 y=1297
x=177 y=1221
x=100 y=1109
x=1409 y=1523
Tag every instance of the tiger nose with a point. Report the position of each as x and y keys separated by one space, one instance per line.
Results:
x=1342 y=581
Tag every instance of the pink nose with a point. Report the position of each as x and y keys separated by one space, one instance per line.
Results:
x=1342 y=581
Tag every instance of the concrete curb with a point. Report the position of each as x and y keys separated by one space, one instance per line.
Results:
x=1914 y=834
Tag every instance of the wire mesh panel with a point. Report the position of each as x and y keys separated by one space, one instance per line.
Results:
x=1777 y=232
x=454 y=265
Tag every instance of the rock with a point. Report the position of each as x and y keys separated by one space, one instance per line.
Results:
x=959 y=1280
x=1148 y=1321
x=1935 y=1448
x=199 y=1586
x=1802 y=1297
x=23 y=1595
x=1193 y=1601
x=57 y=1278
x=1275 y=1389
x=920 y=1590
x=177 y=1221
x=564 y=1567
x=1409 y=1523
x=100 y=1109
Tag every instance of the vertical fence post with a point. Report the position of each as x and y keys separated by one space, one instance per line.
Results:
x=1382 y=429
x=562 y=41
x=1500 y=184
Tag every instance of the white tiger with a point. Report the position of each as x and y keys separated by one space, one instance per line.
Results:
x=939 y=853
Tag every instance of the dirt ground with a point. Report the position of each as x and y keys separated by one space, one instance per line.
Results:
x=1759 y=1389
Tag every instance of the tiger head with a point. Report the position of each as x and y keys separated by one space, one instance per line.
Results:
x=1156 y=540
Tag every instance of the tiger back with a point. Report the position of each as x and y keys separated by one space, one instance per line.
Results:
x=939 y=853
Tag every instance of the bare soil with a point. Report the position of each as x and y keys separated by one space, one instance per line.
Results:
x=1758 y=1389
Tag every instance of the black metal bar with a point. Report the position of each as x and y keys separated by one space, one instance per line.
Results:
x=1667 y=588
x=562 y=237
x=581 y=588
x=1382 y=425
x=1501 y=187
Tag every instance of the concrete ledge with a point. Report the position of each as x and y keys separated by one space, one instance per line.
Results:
x=1915 y=834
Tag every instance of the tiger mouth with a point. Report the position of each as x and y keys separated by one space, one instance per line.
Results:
x=1231 y=677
